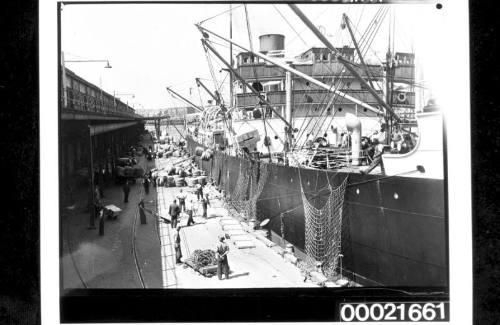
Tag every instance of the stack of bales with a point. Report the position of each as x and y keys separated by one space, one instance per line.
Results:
x=170 y=181
x=191 y=181
x=179 y=181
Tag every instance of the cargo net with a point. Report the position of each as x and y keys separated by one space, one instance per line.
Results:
x=251 y=181
x=323 y=230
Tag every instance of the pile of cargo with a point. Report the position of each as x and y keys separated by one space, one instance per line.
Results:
x=184 y=174
x=203 y=261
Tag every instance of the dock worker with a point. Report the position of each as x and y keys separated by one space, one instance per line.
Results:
x=382 y=135
x=154 y=176
x=205 y=203
x=189 y=211
x=97 y=202
x=379 y=149
x=126 y=191
x=397 y=139
x=145 y=183
x=407 y=144
x=182 y=200
x=142 y=212
x=221 y=252
x=199 y=191
x=101 y=222
x=174 y=213
x=177 y=244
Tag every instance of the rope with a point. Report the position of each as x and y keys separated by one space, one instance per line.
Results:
x=219 y=14
x=298 y=35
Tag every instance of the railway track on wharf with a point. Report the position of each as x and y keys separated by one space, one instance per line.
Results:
x=73 y=261
x=134 y=241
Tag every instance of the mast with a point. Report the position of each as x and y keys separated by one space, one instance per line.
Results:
x=389 y=84
x=356 y=46
x=288 y=104
x=231 y=94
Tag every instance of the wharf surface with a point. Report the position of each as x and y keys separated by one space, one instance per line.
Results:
x=135 y=255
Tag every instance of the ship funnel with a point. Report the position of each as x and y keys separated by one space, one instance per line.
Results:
x=353 y=125
x=272 y=43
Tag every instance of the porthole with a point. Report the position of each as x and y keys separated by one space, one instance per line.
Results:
x=357 y=191
x=396 y=196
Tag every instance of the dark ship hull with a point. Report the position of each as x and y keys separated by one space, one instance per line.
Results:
x=394 y=229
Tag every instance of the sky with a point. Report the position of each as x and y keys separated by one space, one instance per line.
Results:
x=152 y=46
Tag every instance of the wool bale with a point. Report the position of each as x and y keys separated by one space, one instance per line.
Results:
x=179 y=182
x=191 y=181
x=198 y=151
x=170 y=181
x=202 y=180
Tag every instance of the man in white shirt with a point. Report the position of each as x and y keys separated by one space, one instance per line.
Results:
x=189 y=211
x=182 y=200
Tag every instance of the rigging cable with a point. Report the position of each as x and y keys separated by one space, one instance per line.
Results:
x=284 y=18
x=219 y=14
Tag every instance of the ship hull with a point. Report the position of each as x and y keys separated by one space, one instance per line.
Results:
x=393 y=229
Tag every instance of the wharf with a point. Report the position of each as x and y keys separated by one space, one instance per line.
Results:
x=133 y=255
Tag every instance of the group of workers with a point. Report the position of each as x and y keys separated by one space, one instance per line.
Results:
x=175 y=210
x=179 y=205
